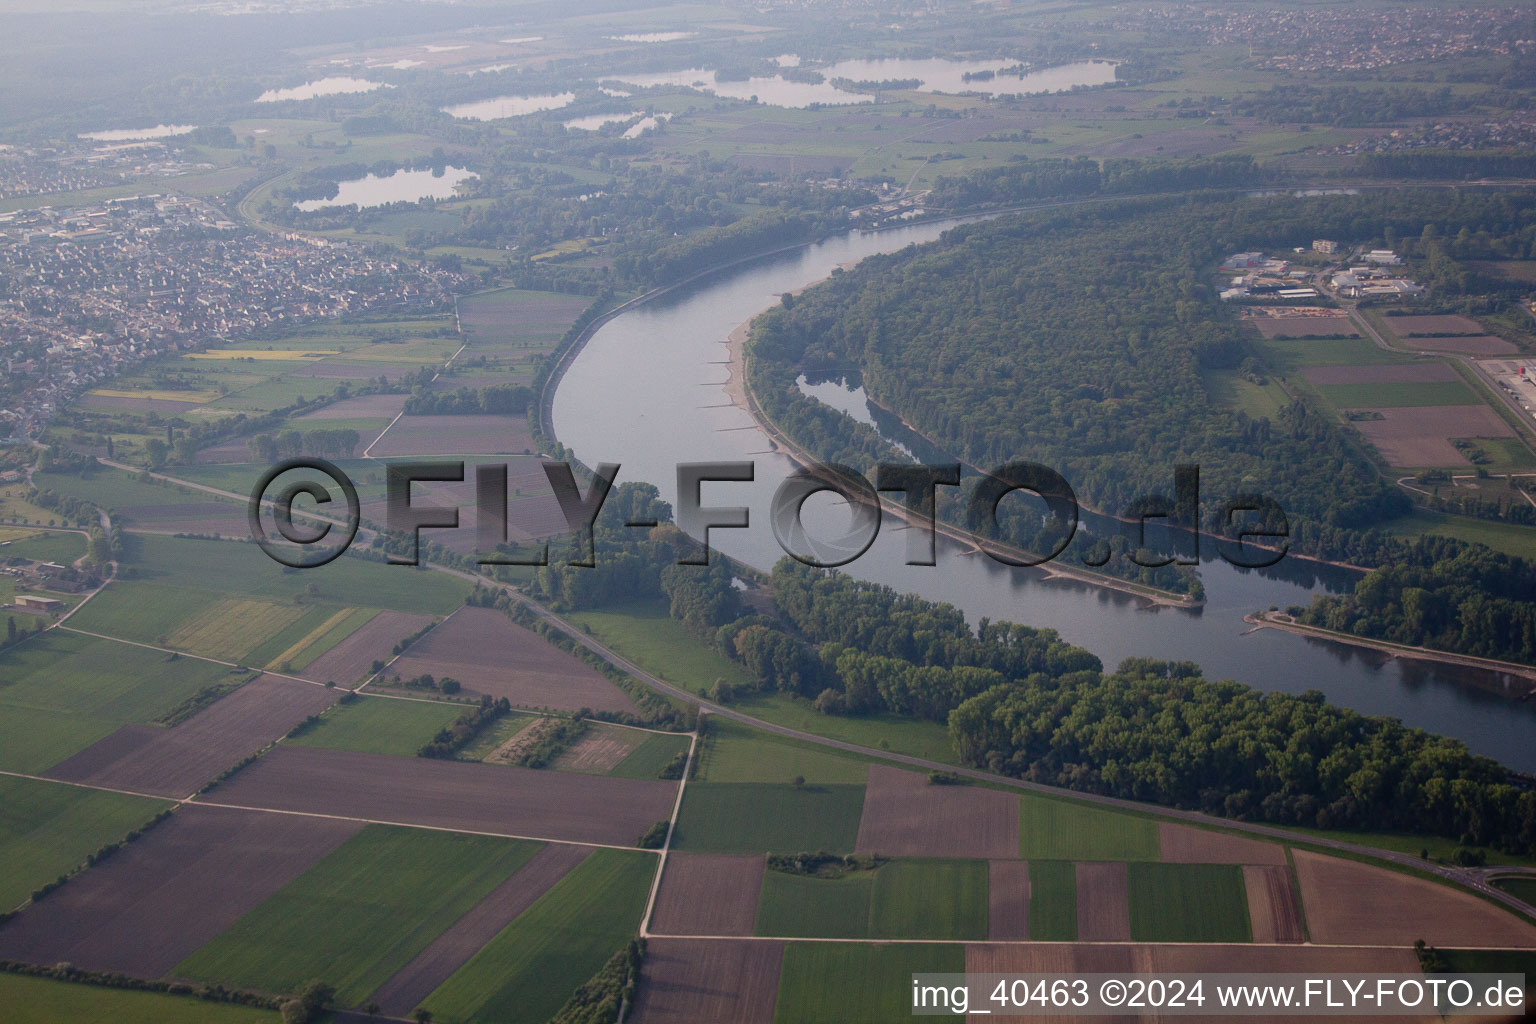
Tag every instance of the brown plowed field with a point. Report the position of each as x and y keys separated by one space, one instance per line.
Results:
x=905 y=816
x=452 y=794
x=1403 y=326
x=362 y=407
x=158 y=899
x=434 y=965
x=686 y=981
x=708 y=894
x=1183 y=844
x=1420 y=436
x=1305 y=326
x=1068 y=959
x=491 y=654
x=179 y=761
x=1348 y=902
x=1272 y=906
x=1410 y=373
x=1103 y=902
x=1007 y=899
x=456 y=435
x=349 y=661
x=1473 y=345
x=90 y=401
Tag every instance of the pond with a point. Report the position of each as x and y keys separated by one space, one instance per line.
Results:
x=937 y=74
x=498 y=107
x=159 y=131
x=401 y=186
x=332 y=85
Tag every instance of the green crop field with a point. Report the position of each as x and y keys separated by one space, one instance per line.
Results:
x=648 y=759
x=171 y=580
x=1385 y=396
x=360 y=914
x=48 y=828
x=1188 y=903
x=887 y=732
x=736 y=752
x=31 y=741
x=645 y=633
x=930 y=899
x=816 y=908
x=1051 y=829
x=525 y=974
x=1052 y=901
x=379 y=725
x=87 y=676
x=43 y=1001
x=1231 y=389
x=853 y=983
x=58 y=547
x=1291 y=354
x=745 y=817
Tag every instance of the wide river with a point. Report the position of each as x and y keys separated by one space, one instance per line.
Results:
x=647 y=392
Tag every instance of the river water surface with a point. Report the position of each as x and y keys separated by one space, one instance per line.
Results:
x=646 y=392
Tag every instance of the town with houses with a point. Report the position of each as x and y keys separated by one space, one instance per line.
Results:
x=92 y=290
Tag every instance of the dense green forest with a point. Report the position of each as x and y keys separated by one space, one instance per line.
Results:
x=1023 y=702
x=1158 y=731
x=1077 y=338
x=1459 y=598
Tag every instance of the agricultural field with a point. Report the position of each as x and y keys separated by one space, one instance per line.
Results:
x=493 y=799
x=709 y=894
x=490 y=654
x=1052 y=901
x=47 y=830
x=804 y=906
x=1188 y=903
x=1051 y=829
x=654 y=753
x=647 y=634
x=906 y=815
x=202 y=869
x=527 y=972
x=851 y=983
x=680 y=981
x=735 y=752
x=179 y=761
x=62 y=691
x=745 y=817
x=1520 y=887
x=42 y=1001
x=379 y=725
x=363 y=912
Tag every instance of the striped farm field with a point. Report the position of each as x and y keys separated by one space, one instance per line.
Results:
x=525 y=974
x=190 y=397
x=1188 y=903
x=263 y=354
x=1051 y=829
x=363 y=912
x=47 y=829
x=902 y=899
x=323 y=637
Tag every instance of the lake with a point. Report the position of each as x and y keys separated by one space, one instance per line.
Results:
x=334 y=85
x=401 y=186
x=936 y=74
x=159 y=131
x=508 y=106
